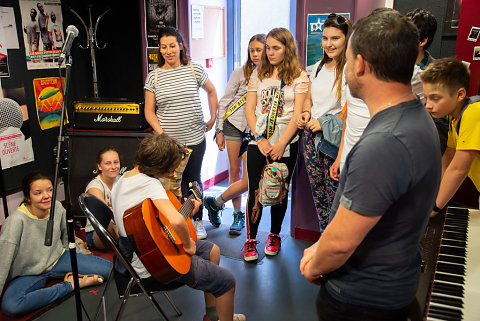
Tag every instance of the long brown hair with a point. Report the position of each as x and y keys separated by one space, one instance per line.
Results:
x=345 y=26
x=171 y=31
x=249 y=65
x=290 y=69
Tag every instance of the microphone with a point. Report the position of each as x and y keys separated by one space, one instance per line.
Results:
x=10 y=114
x=72 y=32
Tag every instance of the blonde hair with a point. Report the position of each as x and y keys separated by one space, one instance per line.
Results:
x=289 y=69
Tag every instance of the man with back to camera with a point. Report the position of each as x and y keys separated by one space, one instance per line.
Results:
x=368 y=259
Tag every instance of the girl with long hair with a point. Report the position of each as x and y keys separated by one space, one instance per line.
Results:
x=172 y=105
x=319 y=117
x=231 y=129
x=278 y=84
x=28 y=264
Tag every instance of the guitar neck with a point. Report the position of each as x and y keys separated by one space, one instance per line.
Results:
x=187 y=207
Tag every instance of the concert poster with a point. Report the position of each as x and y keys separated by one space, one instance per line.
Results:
x=16 y=143
x=152 y=58
x=159 y=13
x=48 y=101
x=314 y=38
x=42 y=29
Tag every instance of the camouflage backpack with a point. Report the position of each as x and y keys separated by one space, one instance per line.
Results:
x=272 y=187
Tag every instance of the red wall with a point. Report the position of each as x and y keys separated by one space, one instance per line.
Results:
x=469 y=17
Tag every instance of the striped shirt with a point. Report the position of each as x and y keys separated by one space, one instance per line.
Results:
x=178 y=106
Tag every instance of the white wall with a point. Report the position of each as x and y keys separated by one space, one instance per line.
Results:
x=214 y=161
x=261 y=16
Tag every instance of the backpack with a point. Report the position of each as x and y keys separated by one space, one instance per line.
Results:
x=272 y=187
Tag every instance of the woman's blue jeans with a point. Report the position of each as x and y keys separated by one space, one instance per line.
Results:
x=28 y=293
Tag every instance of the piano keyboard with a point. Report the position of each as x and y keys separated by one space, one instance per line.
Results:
x=450 y=282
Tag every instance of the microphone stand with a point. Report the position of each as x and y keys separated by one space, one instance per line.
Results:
x=70 y=227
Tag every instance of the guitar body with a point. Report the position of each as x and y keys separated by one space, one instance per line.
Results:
x=163 y=256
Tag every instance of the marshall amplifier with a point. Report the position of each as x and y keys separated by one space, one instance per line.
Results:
x=109 y=115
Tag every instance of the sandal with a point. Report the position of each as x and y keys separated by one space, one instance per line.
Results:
x=97 y=279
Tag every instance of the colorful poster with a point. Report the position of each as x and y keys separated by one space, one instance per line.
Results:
x=314 y=38
x=48 y=101
x=159 y=13
x=42 y=25
x=152 y=58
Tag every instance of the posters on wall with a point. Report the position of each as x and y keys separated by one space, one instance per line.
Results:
x=48 y=101
x=159 y=13
x=314 y=37
x=15 y=143
x=42 y=24
x=8 y=38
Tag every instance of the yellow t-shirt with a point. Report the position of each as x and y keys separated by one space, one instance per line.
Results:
x=468 y=138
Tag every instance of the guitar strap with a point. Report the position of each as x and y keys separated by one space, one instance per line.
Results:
x=239 y=103
x=272 y=114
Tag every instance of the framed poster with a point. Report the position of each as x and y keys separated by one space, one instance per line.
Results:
x=159 y=13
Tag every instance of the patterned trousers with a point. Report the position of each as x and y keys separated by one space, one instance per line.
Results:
x=318 y=170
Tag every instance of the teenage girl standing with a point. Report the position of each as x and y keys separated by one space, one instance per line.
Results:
x=232 y=128
x=172 y=105
x=325 y=94
x=279 y=82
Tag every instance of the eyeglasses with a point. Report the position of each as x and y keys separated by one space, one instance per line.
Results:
x=340 y=19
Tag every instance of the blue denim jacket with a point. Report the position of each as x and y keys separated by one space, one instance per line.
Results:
x=327 y=141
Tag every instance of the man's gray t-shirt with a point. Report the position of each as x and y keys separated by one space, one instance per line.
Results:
x=393 y=171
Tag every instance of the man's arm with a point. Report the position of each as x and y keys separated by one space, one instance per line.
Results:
x=341 y=237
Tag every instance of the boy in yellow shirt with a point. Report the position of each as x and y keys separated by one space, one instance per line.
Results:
x=445 y=83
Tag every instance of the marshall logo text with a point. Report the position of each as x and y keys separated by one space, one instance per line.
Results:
x=107 y=119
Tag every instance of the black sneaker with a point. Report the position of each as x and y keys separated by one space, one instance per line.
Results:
x=213 y=210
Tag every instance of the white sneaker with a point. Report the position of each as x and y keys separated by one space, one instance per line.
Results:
x=201 y=233
x=238 y=317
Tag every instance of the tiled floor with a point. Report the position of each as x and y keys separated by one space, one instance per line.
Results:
x=272 y=290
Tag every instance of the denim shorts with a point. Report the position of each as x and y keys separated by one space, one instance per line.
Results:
x=205 y=275
x=231 y=132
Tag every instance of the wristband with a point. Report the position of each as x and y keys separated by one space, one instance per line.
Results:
x=259 y=137
x=437 y=209
x=306 y=111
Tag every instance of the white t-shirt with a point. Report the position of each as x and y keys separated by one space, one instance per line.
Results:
x=358 y=117
x=98 y=183
x=323 y=94
x=128 y=192
x=417 y=87
x=266 y=90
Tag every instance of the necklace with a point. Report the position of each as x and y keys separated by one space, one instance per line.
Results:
x=393 y=101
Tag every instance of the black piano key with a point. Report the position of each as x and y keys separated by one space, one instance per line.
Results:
x=449 y=278
x=447 y=311
x=453 y=251
x=454 y=236
x=448 y=288
x=455 y=243
x=441 y=316
x=452 y=259
x=454 y=302
x=451 y=268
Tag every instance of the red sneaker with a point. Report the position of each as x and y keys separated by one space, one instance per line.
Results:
x=250 y=250
x=273 y=244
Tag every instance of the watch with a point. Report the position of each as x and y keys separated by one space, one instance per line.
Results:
x=436 y=208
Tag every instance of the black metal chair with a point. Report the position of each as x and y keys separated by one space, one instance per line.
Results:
x=99 y=214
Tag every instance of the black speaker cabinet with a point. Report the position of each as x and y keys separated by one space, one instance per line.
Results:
x=83 y=148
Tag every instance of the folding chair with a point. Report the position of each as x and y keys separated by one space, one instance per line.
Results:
x=99 y=214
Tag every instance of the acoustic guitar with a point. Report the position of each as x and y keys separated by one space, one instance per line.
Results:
x=154 y=240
